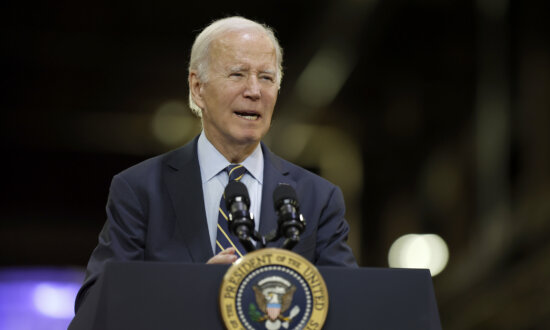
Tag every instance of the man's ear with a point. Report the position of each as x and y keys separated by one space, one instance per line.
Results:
x=195 y=86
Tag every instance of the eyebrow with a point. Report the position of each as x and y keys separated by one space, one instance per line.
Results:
x=238 y=68
x=268 y=72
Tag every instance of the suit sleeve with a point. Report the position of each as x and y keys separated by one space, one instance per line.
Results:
x=122 y=237
x=332 y=248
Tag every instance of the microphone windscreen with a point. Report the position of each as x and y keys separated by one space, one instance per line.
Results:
x=235 y=189
x=284 y=192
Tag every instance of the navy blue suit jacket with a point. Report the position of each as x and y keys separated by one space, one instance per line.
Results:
x=155 y=211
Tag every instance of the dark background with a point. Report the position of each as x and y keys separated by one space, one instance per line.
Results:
x=444 y=112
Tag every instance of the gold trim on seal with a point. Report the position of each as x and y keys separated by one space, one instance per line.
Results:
x=272 y=257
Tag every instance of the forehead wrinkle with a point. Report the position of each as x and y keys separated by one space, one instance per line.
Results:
x=223 y=50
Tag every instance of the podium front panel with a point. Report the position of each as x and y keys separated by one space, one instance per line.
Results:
x=155 y=295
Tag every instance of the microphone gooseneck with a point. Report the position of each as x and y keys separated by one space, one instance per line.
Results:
x=240 y=220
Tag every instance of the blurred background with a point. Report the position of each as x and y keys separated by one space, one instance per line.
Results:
x=432 y=116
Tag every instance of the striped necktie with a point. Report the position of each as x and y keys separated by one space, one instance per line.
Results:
x=225 y=239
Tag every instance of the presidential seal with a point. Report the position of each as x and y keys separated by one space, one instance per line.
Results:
x=273 y=289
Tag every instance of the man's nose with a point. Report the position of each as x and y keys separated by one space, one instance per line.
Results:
x=253 y=90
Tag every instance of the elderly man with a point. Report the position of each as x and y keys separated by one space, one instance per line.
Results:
x=167 y=208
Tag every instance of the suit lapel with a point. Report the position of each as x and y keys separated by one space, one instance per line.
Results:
x=183 y=181
x=274 y=174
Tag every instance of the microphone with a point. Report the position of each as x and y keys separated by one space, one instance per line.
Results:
x=240 y=219
x=290 y=222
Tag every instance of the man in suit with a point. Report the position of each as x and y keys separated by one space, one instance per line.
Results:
x=166 y=208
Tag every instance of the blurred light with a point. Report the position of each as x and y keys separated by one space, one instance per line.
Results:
x=419 y=251
x=38 y=298
x=335 y=146
x=55 y=299
x=295 y=139
x=172 y=123
x=324 y=76
x=493 y=8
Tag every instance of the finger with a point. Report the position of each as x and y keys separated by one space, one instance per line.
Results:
x=229 y=250
x=221 y=258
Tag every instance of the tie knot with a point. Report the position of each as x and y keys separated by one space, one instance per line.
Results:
x=235 y=171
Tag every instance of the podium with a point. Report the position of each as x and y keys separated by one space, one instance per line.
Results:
x=154 y=295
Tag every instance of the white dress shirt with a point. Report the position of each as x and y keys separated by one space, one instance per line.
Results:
x=214 y=179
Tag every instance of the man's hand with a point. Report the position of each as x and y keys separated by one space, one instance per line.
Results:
x=227 y=256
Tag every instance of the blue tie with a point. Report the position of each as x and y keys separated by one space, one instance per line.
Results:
x=225 y=239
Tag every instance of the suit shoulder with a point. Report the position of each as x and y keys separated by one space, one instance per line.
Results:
x=153 y=166
x=302 y=175
x=144 y=167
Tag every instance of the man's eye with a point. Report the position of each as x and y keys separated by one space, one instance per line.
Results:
x=268 y=78
x=236 y=74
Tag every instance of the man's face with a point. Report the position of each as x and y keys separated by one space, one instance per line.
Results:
x=241 y=90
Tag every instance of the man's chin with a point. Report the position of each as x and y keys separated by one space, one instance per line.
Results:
x=248 y=140
x=248 y=137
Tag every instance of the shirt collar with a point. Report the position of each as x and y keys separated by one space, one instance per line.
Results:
x=212 y=162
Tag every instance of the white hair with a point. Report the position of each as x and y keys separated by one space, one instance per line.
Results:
x=199 y=58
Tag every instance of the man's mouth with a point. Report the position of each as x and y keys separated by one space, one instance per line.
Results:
x=247 y=115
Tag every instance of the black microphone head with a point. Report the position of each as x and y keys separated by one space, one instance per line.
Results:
x=284 y=193
x=233 y=190
x=290 y=222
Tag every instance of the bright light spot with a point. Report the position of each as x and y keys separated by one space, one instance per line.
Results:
x=419 y=251
x=172 y=123
x=55 y=299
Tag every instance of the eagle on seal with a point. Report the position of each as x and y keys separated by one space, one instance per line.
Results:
x=274 y=297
